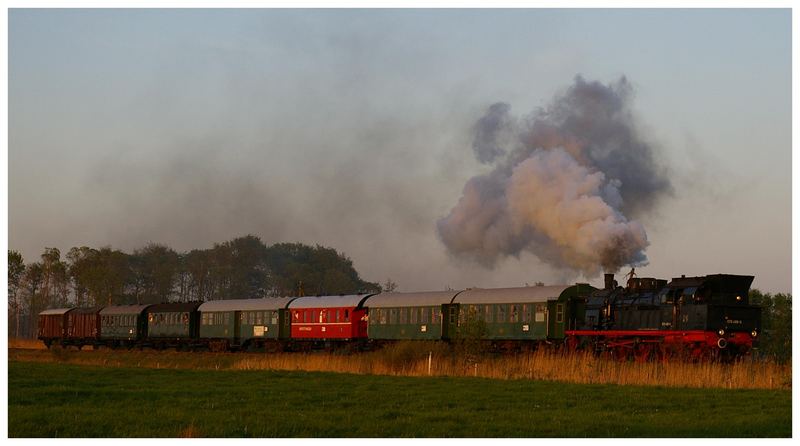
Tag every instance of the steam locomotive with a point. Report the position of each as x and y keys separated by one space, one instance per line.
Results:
x=708 y=316
x=699 y=317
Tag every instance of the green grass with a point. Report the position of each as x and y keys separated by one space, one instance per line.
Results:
x=57 y=400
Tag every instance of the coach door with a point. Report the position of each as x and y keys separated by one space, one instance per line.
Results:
x=449 y=320
x=556 y=315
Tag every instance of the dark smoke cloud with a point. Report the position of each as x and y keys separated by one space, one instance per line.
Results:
x=577 y=171
x=488 y=133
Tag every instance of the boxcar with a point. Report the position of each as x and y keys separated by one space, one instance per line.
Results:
x=394 y=316
x=83 y=326
x=173 y=324
x=526 y=313
x=122 y=324
x=244 y=323
x=329 y=317
x=52 y=325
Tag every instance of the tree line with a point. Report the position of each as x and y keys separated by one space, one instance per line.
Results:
x=776 y=324
x=243 y=267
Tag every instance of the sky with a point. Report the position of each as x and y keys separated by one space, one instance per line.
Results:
x=353 y=129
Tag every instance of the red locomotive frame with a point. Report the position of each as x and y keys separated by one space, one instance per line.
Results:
x=646 y=344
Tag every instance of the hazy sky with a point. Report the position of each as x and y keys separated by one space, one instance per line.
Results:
x=353 y=129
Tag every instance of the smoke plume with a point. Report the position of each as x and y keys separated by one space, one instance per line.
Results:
x=567 y=182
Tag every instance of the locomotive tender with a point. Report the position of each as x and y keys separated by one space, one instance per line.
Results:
x=706 y=316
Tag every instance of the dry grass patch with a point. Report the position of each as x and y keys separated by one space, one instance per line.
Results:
x=32 y=344
x=401 y=360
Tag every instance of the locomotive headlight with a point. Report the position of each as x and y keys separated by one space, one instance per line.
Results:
x=738 y=298
x=721 y=332
x=754 y=333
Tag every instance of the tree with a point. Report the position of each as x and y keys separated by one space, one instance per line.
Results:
x=31 y=299
x=153 y=273
x=388 y=286
x=80 y=263
x=776 y=323
x=16 y=270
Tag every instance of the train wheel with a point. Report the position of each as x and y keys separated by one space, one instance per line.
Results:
x=643 y=352
x=571 y=343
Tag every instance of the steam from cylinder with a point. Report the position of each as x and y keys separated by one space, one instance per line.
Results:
x=566 y=184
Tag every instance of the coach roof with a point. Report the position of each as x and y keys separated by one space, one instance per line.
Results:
x=350 y=300
x=269 y=303
x=510 y=295
x=421 y=299
x=54 y=311
x=123 y=309
x=173 y=307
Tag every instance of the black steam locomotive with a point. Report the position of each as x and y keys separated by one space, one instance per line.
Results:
x=707 y=316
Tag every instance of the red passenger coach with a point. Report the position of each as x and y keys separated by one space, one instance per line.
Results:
x=329 y=317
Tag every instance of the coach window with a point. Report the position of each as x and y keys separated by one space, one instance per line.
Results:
x=404 y=315
x=414 y=314
x=393 y=316
x=384 y=315
x=539 y=313
x=526 y=313
x=227 y=319
x=259 y=318
x=347 y=315
x=514 y=313
x=501 y=314
x=489 y=313
x=559 y=313
x=274 y=317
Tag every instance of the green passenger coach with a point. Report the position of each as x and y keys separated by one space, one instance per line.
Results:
x=173 y=324
x=244 y=323
x=122 y=324
x=526 y=313
x=395 y=316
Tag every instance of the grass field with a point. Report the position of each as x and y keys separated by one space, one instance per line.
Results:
x=65 y=400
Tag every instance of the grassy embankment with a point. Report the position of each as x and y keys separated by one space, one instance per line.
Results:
x=62 y=400
x=412 y=360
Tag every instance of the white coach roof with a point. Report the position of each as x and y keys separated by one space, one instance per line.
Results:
x=421 y=299
x=267 y=303
x=350 y=300
x=510 y=295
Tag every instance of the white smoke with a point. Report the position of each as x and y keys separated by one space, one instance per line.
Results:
x=561 y=190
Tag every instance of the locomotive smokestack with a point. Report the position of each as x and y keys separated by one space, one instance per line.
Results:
x=609 y=281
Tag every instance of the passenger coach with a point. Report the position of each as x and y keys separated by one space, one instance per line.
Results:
x=329 y=318
x=394 y=316
x=245 y=323
x=521 y=314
